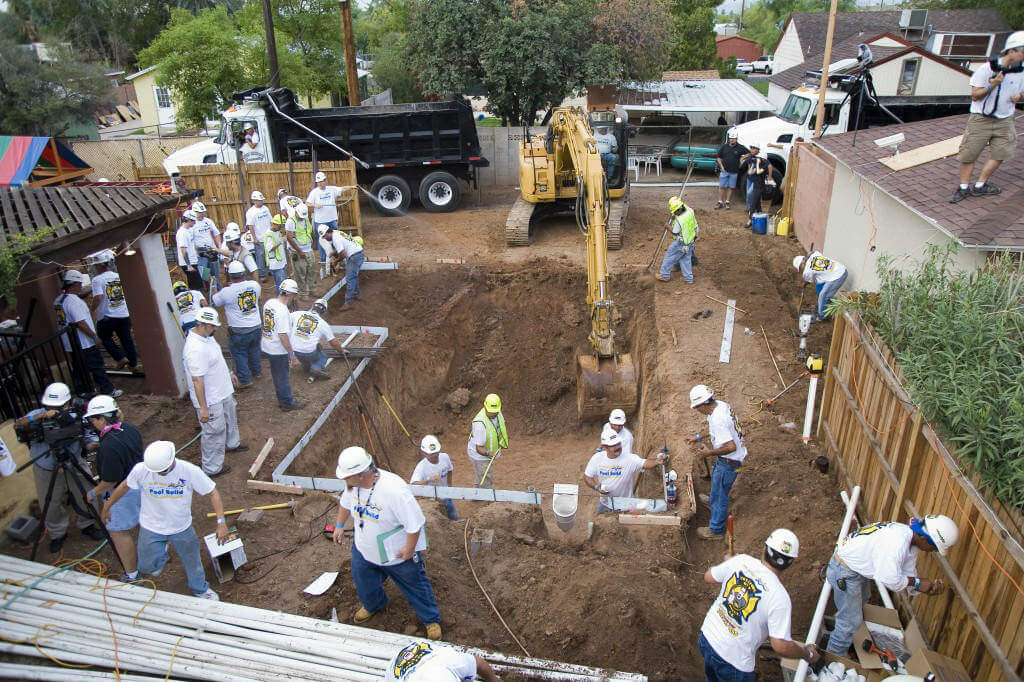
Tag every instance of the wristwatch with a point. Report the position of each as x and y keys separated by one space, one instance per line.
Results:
x=221 y=520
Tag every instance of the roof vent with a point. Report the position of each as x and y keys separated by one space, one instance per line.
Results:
x=913 y=19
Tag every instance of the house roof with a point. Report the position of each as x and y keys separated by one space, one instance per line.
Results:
x=812 y=27
x=719 y=39
x=140 y=73
x=994 y=222
x=728 y=94
x=699 y=75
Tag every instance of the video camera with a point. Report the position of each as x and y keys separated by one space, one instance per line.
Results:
x=996 y=67
x=58 y=431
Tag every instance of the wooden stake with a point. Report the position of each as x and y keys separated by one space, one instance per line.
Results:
x=232 y=512
x=260 y=458
x=649 y=520
x=727 y=305
x=819 y=121
x=271 y=487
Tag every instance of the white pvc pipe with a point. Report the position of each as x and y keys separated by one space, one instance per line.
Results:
x=826 y=588
x=16 y=671
x=812 y=391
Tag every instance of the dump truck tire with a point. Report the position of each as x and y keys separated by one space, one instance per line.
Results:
x=391 y=195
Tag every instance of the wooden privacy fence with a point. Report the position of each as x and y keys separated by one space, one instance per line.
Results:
x=880 y=440
x=226 y=188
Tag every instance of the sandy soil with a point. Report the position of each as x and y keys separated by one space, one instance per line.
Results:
x=511 y=321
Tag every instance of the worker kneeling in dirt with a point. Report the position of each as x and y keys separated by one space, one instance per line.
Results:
x=826 y=274
x=425 y=662
x=611 y=471
x=488 y=435
x=435 y=469
x=752 y=606
x=886 y=552
x=729 y=451
x=389 y=538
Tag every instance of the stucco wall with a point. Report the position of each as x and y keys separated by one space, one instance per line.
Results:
x=861 y=216
x=788 y=52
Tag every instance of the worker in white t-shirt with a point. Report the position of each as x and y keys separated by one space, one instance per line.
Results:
x=165 y=515
x=326 y=249
x=826 y=274
x=725 y=443
x=111 y=311
x=72 y=311
x=349 y=251
x=617 y=423
x=389 y=538
x=189 y=301
x=206 y=238
x=212 y=390
x=257 y=223
x=237 y=249
x=611 y=470
x=185 y=247
x=886 y=552
x=250 y=138
x=241 y=302
x=752 y=606
x=426 y=662
x=276 y=344
x=310 y=332
x=488 y=436
x=435 y=468
x=323 y=201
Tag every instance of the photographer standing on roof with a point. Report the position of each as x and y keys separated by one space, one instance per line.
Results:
x=996 y=88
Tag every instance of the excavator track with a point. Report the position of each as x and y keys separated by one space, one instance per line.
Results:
x=616 y=230
x=517 y=225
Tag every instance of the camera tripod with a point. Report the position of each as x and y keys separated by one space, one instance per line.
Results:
x=863 y=84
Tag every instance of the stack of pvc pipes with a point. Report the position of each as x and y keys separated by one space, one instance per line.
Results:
x=64 y=617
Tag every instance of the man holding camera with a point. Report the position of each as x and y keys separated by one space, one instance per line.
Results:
x=56 y=409
x=996 y=88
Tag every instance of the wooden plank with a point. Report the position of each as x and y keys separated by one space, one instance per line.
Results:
x=100 y=202
x=908 y=461
x=894 y=482
x=24 y=215
x=730 y=316
x=649 y=520
x=271 y=487
x=29 y=194
x=8 y=214
x=52 y=219
x=86 y=215
x=926 y=154
x=261 y=458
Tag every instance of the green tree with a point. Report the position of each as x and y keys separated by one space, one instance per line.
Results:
x=764 y=21
x=391 y=68
x=693 y=34
x=639 y=32
x=45 y=98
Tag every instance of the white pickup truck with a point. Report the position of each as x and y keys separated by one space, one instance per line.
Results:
x=763 y=64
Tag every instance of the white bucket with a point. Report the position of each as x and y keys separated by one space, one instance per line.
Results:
x=564 y=503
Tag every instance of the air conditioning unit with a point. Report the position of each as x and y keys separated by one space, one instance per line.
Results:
x=913 y=19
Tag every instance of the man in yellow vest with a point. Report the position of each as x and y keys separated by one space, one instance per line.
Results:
x=487 y=437
x=684 y=233
x=298 y=230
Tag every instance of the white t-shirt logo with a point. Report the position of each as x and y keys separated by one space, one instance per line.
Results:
x=247 y=301
x=740 y=597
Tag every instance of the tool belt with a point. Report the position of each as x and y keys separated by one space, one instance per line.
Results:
x=207 y=252
x=731 y=462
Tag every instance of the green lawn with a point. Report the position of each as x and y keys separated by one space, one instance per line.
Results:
x=760 y=86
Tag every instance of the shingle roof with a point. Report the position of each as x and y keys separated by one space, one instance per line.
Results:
x=811 y=27
x=995 y=221
x=846 y=49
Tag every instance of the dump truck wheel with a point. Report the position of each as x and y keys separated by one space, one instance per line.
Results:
x=440 y=192
x=391 y=195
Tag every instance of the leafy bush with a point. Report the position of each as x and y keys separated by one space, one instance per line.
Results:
x=959 y=339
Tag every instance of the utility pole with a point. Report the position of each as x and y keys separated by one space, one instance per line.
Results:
x=820 y=119
x=743 y=5
x=268 y=28
x=350 y=52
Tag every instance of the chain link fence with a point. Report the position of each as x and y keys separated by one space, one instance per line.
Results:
x=116 y=160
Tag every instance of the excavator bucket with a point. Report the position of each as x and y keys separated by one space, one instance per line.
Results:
x=605 y=384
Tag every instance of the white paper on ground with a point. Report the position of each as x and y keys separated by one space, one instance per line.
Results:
x=321 y=584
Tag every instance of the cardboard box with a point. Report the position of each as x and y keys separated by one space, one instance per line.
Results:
x=227 y=557
x=789 y=667
x=944 y=668
x=883 y=626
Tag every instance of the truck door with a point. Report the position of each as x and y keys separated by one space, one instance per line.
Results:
x=249 y=136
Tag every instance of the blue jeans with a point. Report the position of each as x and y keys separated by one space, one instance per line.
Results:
x=754 y=192
x=409 y=576
x=122 y=326
x=679 y=254
x=449 y=508
x=260 y=256
x=214 y=266
x=722 y=478
x=352 y=265
x=94 y=364
x=153 y=555
x=314 y=361
x=610 y=161
x=717 y=669
x=279 y=276
x=849 y=605
x=826 y=292
x=334 y=226
x=245 y=349
x=281 y=373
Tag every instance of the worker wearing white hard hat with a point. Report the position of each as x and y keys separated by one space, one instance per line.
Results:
x=826 y=274
x=428 y=662
x=211 y=386
x=323 y=201
x=886 y=552
x=388 y=541
x=310 y=334
x=166 y=484
x=56 y=406
x=250 y=138
x=241 y=302
x=351 y=253
x=206 y=238
x=611 y=471
x=71 y=311
x=257 y=224
x=299 y=233
x=276 y=343
x=110 y=309
x=239 y=250
x=997 y=87
x=752 y=606
x=185 y=249
x=724 y=442
x=617 y=423
x=435 y=468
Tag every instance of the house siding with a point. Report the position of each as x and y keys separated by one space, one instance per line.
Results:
x=933 y=78
x=777 y=95
x=788 y=52
x=739 y=47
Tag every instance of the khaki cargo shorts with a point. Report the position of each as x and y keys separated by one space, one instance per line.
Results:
x=983 y=131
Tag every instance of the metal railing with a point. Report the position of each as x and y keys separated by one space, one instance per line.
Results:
x=25 y=373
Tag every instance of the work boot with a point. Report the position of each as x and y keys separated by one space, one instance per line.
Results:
x=93 y=533
x=704 y=533
x=296 y=405
x=362 y=615
x=319 y=375
x=223 y=470
x=662 y=279
x=57 y=543
x=241 y=447
x=959 y=195
x=434 y=631
x=122 y=363
x=985 y=190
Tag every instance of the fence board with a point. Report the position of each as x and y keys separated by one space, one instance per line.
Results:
x=880 y=441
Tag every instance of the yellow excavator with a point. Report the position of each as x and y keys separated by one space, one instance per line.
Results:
x=606 y=379
x=549 y=177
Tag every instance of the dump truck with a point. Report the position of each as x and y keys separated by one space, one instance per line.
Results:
x=423 y=149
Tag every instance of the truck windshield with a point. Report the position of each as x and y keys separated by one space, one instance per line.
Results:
x=222 y=134
x=795 y=110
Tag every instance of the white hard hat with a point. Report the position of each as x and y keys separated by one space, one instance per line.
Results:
x=700 y=394
x=302 y=210
x=320 y=303
x=236 y=268
x=102 y=257
x=733 y=133
x=610 y=437
x=56 y=394
x=189 y=215
x=352 y=460
x=617 y=417
x=289 y=286
x=87 y=283
x=781 y=548
x=208 y=315
x=430 y=444
x=1015 y=41
x=158 y=456
x=320 y=176
x=101 y=405
x=73 y=276
x=942 y=531
x=232 y=232
x=798 y=262
x=257 y=195
x=103 y=180
x=198 y=207
x=323 y=229
x=247 y=125
x=281 y=190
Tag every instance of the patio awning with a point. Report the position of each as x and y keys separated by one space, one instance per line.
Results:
x=37 y=161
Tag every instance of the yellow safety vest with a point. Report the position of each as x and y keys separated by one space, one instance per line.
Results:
x=496 y=438
x=687 y=224
x=303 y=232
x=274 y=247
